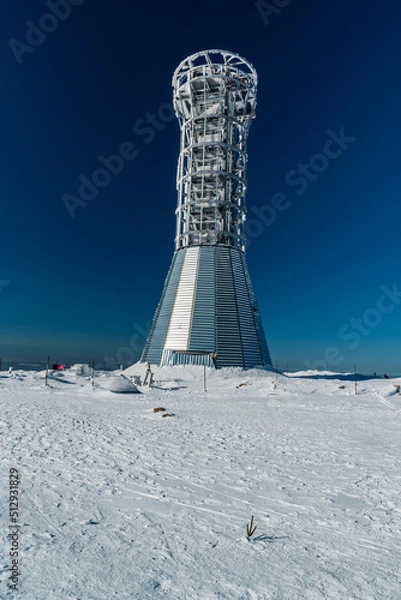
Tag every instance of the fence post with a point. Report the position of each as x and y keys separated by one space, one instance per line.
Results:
x=47 y=371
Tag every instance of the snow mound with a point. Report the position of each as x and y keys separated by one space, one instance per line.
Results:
x=120 y=384
x=390 y=390
x=195 y=372
x=80 y=370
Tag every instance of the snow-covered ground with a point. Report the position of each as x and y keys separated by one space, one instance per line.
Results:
x=117 y=501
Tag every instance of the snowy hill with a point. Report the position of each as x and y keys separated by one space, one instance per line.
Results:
x=118 y=501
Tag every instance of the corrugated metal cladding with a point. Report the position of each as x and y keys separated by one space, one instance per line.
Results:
x=181 y=316
x=170 y=358
x=208 y=312
x=155 y=343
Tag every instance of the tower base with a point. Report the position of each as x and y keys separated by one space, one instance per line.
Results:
x=207 y=314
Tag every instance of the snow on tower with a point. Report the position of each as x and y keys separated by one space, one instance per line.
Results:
x=208 y=312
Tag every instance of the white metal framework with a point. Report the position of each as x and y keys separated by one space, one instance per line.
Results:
x=208 y=312
x=214 y=100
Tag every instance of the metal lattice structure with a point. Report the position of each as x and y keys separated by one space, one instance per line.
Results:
x=215 y=101
x=208 y=312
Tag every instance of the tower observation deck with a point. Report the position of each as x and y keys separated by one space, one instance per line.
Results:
x=208 y=312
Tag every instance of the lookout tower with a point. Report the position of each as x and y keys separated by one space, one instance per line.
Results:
x=208 y=313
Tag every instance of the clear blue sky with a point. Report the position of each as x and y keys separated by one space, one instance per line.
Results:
x=81 y=288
